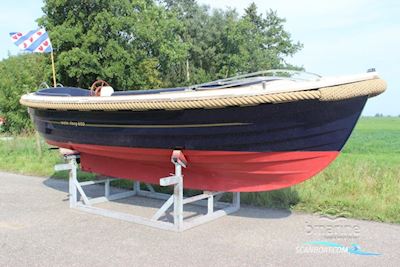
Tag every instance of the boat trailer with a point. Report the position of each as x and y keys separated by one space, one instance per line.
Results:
x=78 y=198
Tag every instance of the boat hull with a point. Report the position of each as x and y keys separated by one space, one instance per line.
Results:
x=229 y=171
x=245 y=149
x=296 y=126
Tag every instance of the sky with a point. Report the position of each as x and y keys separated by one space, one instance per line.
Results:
x=340 y=37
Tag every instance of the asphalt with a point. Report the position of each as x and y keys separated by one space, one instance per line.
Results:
x=37 y=228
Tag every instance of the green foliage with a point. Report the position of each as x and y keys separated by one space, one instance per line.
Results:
x=128 y=43
x=149 y=44
x=19 y=75
x=222 y=44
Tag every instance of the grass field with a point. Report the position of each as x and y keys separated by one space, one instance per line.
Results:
x=364 y=181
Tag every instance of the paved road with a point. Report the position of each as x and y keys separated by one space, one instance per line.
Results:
x=38 y=229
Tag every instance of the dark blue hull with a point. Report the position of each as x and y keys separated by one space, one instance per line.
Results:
x=297 y=126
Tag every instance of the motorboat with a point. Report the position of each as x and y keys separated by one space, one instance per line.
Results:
x=256 y=132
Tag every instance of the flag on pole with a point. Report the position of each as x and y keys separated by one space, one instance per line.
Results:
x=34 y=41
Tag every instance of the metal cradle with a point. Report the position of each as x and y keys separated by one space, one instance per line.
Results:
x=78 y=199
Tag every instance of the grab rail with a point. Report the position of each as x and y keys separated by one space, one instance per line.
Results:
x=253 y=77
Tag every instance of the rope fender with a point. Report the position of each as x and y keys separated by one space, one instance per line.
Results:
x=369 y=88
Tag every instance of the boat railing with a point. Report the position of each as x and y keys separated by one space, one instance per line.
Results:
x=255 y=77
x=44 y=85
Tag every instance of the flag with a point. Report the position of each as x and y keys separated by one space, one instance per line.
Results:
x=34 y=41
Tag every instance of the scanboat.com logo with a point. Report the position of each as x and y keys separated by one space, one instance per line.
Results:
x=354 y=249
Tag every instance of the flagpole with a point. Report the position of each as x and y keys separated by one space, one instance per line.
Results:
x=54 y=69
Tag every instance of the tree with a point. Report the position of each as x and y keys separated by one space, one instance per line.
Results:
x=19 y=75
x=198 y=35
x=128 y=43
x=148 y=44
x=222 y=44
x=267 y=44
